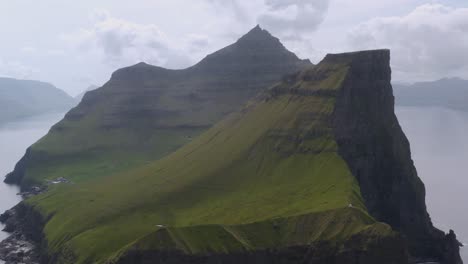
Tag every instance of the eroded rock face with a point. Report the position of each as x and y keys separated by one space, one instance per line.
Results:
x=372 y=142
x=26 y=240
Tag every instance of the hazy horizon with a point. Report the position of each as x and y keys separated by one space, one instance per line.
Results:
x=94 y=39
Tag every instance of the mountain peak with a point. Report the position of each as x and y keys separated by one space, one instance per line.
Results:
x=257 y=47
x=257 y=34
x=257 y=30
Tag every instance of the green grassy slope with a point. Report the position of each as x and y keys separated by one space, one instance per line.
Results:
x=145 y=112
x=332 y=226
x=274 y=160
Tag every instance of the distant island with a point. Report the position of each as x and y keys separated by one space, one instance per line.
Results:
x=25 y=98
x=448 y=92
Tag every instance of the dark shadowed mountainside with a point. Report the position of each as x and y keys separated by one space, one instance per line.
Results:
x=145 y=112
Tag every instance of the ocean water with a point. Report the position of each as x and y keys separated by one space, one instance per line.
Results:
x=15 y=138
x=439 y=146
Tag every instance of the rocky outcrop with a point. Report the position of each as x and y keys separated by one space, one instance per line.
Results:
x=372 y=142
x=26 y=243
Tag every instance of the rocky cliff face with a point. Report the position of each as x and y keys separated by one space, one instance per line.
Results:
x=26 y=243
x=372 y=142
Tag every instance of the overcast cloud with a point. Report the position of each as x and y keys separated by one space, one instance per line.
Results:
x=429 y=42
x=121 y=43
x=74 y=44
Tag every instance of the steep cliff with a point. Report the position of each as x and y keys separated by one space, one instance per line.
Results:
x=314 y=170
x=145 y=112
x=376 y=150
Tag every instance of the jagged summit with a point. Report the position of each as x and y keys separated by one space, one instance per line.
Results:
x=256 y=47
x=252 y=53
x=257 y=34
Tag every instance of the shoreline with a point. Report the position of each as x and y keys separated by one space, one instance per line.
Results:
x=16 y=248
x=21 y=245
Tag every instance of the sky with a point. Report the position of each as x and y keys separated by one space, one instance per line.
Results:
x=74 y=44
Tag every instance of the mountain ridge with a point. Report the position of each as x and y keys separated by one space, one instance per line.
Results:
x=316 y=169
x=150 y=111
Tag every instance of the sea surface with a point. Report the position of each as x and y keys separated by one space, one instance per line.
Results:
x=15 y=138
x=439 y=146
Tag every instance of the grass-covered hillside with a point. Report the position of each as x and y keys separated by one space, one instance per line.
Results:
x=24 y=98
x=266 y=177
x=145 y=112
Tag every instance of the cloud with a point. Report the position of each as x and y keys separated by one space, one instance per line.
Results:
x=238 y=8
x=120 y=43
x=16 y=69
x=288 y=19
x=428 y=43
x=293 y=18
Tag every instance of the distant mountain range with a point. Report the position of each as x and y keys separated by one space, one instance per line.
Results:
x=25 y=98
x=448 y=92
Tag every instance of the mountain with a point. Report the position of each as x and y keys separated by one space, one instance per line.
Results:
x=81 y=95
x=315 y=169
x=145 y=112
x=24 y=98
x=448 y=92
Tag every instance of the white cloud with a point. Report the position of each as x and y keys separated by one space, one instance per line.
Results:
x=120 y=43
x=293 y=19
x=428 y=43
x=16 y=69
x=288 y=19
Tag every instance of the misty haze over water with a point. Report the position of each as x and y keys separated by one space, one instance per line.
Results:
x=15 y=138
x=439 y=147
